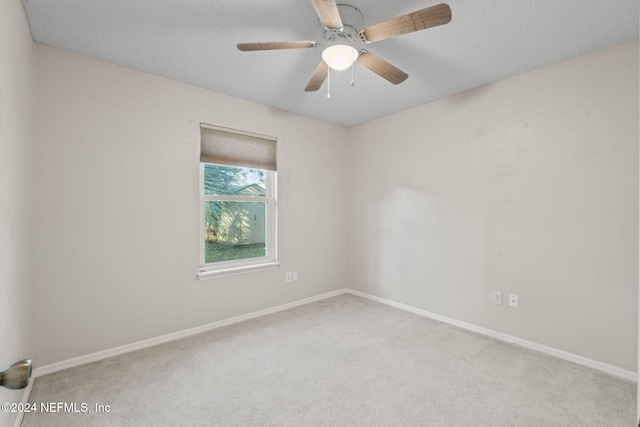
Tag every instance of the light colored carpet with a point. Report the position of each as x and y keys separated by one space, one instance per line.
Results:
x=343 y=361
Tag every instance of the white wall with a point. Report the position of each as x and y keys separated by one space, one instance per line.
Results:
x=526 y=186
x=16 y=192
x=117 y=206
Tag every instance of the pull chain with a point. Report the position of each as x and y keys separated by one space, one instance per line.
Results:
x=352 y=80
x=329 y=83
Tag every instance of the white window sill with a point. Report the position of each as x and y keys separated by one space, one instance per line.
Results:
x=214 y=274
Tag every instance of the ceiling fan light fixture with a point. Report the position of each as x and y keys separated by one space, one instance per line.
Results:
x=339 y=56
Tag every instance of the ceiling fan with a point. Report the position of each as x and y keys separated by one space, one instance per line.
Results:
x=342 y=28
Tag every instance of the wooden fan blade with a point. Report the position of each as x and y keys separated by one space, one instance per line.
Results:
x=426 y=18
x=318 y=77
x=248 y=47
x=382 y=68
x=328 y=13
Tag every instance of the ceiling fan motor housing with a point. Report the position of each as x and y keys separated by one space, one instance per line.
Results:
x=352 y=21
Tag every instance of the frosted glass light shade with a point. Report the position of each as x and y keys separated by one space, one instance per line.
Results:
x=339 y=56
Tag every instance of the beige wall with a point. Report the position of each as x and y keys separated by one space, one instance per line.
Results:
x=16 y=192
x=526 y=186
x=117 y=207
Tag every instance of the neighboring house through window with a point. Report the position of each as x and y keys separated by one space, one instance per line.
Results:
x=238 y=203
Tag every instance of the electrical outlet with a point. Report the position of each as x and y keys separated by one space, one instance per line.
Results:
x=288 y=277
x=295 y=276
x=513 y=300
x=497 y=297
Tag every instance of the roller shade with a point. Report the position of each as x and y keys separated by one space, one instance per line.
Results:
x=230 y=147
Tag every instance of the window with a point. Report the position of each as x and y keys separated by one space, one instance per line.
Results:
x=238 y=203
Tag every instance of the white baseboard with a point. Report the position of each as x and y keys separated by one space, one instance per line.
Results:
x=94 y=357
x=600 y=366
x=25 y=398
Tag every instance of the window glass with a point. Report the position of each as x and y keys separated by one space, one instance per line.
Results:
x=236 y=181
x=234 y=230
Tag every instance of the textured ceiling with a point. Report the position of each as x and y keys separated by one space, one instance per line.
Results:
x=194 y=41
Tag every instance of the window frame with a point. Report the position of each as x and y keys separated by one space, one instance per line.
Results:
x=245 y=265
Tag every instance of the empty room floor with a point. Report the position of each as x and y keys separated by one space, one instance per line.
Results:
x=341 y=361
